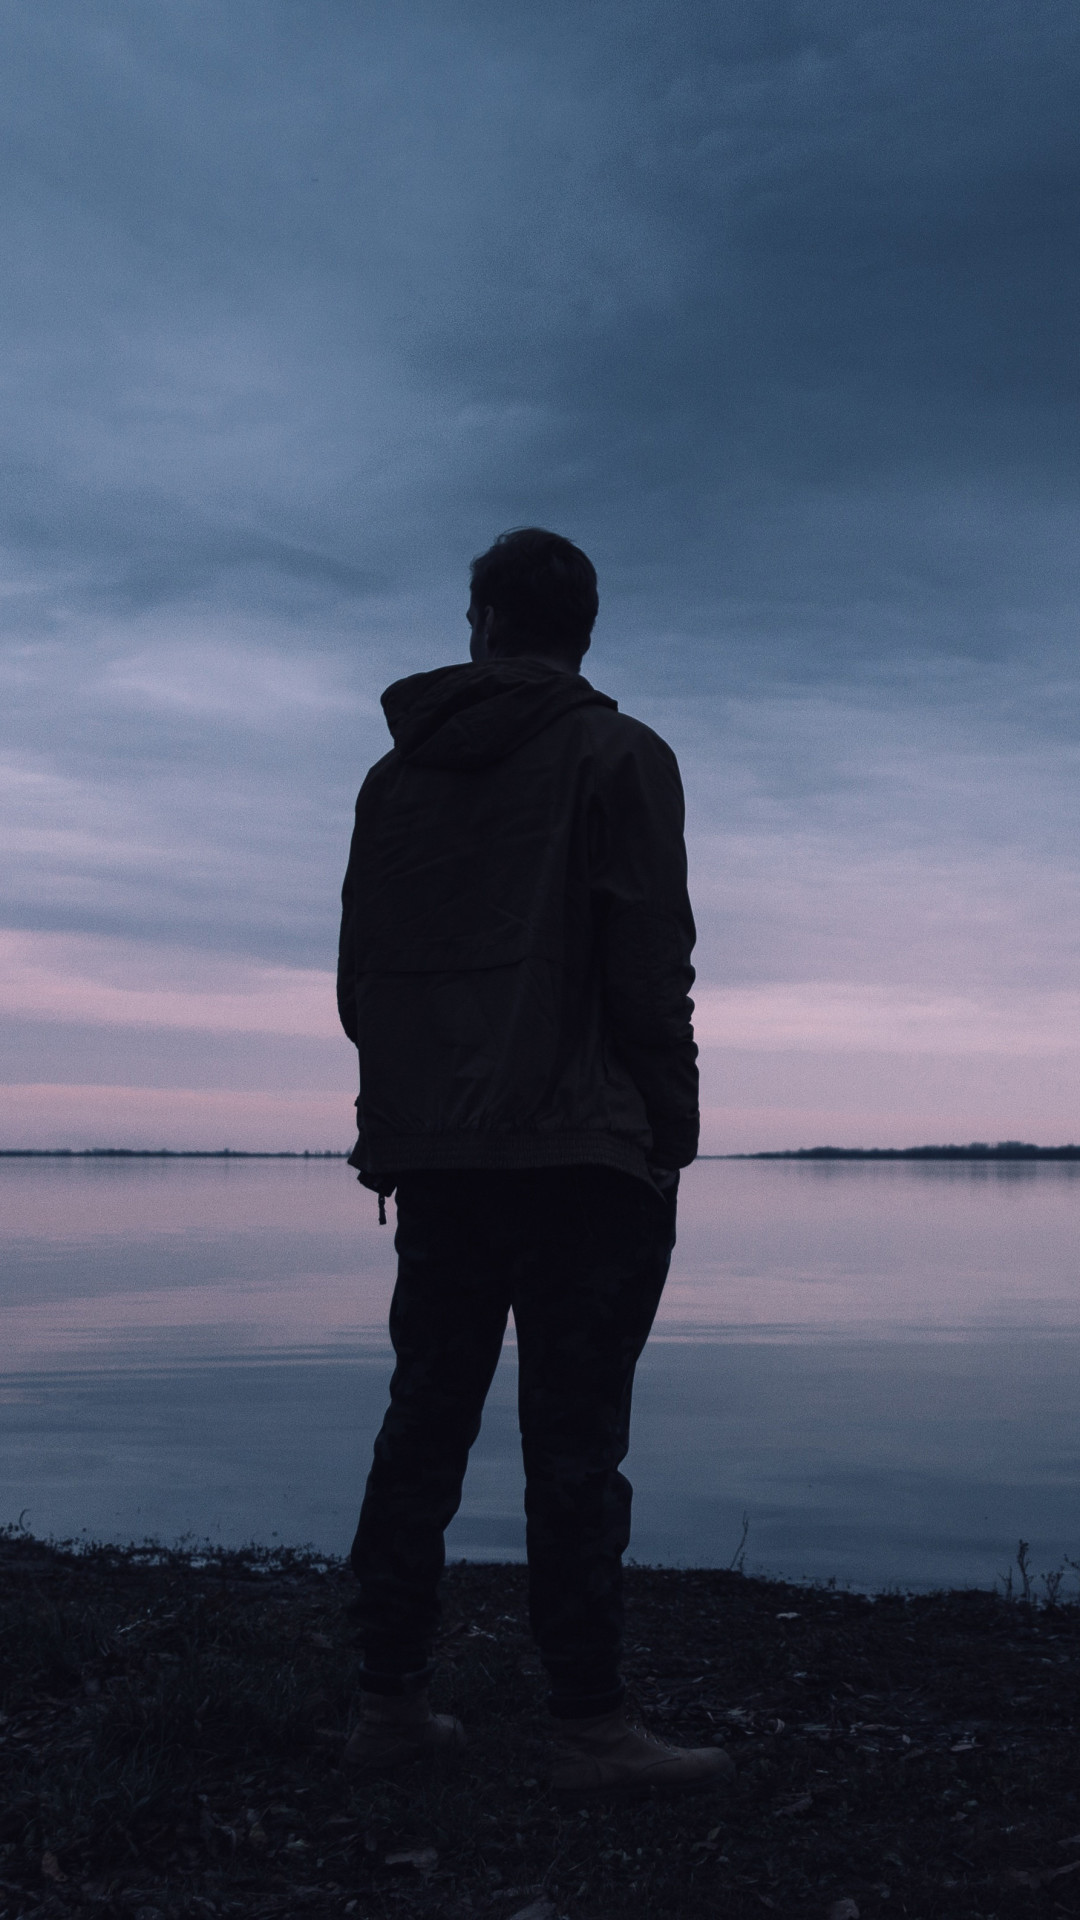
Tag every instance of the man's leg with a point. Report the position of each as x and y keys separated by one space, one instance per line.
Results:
x=583 y=1318
x=584 y=1302
x=447 y=1321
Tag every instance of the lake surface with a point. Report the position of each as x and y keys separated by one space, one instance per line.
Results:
x=877 y=1364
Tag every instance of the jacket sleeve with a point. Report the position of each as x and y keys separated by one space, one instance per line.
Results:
x=355 y=893
x=647 y=936
x=346 y=967
x=346 y=947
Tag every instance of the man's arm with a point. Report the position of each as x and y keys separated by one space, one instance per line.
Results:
x=346 y=968
x=647 y=932
x=355 y=900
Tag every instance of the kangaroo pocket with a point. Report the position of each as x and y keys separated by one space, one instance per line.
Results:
x=456 y=1047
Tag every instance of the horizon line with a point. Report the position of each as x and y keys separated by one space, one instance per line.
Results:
x=173 y=1153
x=973 y=1150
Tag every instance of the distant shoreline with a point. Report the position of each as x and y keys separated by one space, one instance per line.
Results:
x=977 y=1150
x=159 y=1153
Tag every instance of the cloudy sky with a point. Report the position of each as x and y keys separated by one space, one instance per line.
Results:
x=773 y=308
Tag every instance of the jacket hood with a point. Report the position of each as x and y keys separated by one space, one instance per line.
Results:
x=472 y=715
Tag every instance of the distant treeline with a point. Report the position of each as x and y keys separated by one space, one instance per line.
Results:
x=154 y=1153
x=977 y=1150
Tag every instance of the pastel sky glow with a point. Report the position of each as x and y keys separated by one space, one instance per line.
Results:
x=772 y=308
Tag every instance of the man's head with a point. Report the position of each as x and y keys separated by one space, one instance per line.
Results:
x=533 y=593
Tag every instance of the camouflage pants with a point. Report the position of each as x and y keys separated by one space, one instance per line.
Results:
x=581 y=1255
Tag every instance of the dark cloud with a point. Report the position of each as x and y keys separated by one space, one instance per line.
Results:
x=343 y=280
x=772 y=307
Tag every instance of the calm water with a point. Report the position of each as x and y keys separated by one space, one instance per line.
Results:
x=878 y=1364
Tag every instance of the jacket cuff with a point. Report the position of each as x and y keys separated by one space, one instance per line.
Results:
x=674 y=1147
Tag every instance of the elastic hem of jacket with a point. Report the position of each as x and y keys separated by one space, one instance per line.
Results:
x=494 y=1152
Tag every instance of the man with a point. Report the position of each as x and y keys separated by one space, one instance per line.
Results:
x=514 y=970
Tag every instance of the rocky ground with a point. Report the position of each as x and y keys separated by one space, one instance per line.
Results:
x=171 y=1728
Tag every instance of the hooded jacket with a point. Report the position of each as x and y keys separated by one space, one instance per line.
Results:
x=516 y=933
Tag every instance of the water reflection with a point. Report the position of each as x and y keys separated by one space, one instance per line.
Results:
x=859 y=1355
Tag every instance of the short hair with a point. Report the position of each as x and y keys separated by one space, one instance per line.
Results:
x=540 y=587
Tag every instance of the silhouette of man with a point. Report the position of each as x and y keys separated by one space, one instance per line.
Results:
x=514 y=971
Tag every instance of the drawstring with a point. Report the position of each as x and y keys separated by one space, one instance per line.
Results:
x=369 y=1181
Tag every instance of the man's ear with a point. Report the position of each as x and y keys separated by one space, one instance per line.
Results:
x=482 y=624
x=493 y=630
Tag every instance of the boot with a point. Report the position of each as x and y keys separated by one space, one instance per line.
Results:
x=396 y=1728
x=606 y=1757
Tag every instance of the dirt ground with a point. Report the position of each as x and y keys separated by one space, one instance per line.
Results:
x=171 y=1728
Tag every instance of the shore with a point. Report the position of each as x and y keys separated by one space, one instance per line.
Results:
x=171 y=1727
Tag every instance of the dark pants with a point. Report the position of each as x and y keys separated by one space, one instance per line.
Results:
x=581 y=1255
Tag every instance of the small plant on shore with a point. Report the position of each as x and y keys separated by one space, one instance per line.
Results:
x=737 y=1563
x=1022 y=1589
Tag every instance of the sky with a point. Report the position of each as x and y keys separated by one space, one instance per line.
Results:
x=772 y=308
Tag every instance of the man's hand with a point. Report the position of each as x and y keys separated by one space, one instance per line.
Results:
x=665 y=1180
